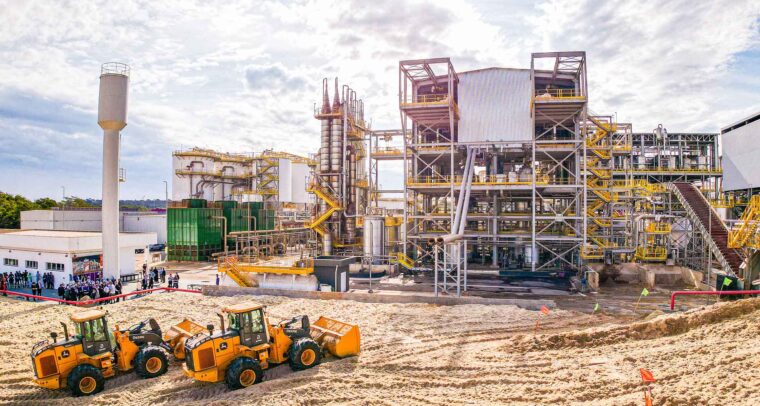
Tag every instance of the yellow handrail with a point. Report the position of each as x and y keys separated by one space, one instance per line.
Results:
x=747 y=225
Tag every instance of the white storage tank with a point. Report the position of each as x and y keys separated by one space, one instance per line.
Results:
x=374 y=236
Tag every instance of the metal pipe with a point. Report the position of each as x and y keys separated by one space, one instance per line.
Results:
x=65 y=330
x=462 y=192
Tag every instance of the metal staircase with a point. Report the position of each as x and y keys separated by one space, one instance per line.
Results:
x=707 y=221
x=598 y=169
x=228 y=265
x=743 y=233
x=333 y=205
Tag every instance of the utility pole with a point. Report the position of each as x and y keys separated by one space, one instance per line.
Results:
x=166 y=194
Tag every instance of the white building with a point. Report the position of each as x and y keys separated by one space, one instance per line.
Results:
x=90 y=220
x=70 y=253
x=741 y=168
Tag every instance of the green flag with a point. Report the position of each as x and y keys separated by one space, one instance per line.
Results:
x=596 y=307
x=645 y=292
x=726 y=281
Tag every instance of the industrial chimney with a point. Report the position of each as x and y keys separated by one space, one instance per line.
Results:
x=112 y=118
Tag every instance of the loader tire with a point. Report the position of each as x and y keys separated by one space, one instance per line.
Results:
x=243 y=372
x=85 y=380
x=304 y=353
x=151 y=361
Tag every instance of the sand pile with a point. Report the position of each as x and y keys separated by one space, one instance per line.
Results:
x=424 y=354
x=653 y=327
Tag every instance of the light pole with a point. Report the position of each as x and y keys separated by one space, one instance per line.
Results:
x=166 y=194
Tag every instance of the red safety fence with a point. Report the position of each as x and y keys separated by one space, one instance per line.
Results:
x=94 y=301
x=708 y=292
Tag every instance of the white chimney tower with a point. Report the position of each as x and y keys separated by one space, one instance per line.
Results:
x=112 y=118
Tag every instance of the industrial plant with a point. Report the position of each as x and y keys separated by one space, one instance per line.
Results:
x=526 y=235
x=509 y=175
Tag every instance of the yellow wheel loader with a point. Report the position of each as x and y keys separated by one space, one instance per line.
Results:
x=82 y=362
x=239 y=353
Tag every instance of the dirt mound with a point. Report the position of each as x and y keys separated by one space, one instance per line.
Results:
x=661 y=326
x=433 y=355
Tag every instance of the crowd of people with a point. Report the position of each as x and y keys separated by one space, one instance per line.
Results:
x=82 y=287
x=155 y=276
x=85 y=289
x=20 y=279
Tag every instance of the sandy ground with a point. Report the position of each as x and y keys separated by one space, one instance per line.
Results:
x=425 y=354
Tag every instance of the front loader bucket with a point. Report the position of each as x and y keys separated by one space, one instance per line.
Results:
x=178 y=334
x=338 y=338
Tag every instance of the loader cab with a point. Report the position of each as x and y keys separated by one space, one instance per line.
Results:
x=248 y=321
x=92 y=328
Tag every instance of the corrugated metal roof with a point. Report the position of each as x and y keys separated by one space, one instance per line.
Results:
x=494 y=105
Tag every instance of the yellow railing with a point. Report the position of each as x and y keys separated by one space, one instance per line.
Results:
x=287 y=155
x=423 y=99
x=591 y=252
x=404 y=260
x=387 y=151
x=217 y=156
x=747 y=225
x=478 y=180
x=673 y=170
x=548 y=94
x=229 y=265
x=214 y=173
x=651 y=253
x=658 y=228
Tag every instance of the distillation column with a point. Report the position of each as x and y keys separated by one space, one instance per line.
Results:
x=336 y=151
x=112 y=118
x=324 y=151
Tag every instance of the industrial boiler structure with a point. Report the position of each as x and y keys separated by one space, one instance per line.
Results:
x=507 y=174
x=340 y=178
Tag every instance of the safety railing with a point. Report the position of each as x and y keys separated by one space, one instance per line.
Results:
x=484 y=180
x=747 y=226
x=591 y=252
x=548 y=94
x=651 y=253
x=219 y=174
x=96 y=301
x=665 y=170
x=114 y=68
x=427 y=99
x=658 y=228
x=387 y=151
x=217 y=156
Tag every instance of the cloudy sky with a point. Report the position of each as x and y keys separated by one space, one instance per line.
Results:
x=242 y=75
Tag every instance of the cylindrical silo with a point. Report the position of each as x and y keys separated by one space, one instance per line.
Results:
x=112 y=118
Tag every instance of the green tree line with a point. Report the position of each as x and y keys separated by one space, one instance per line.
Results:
x=11 y=207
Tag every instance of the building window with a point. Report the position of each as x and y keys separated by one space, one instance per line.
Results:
x=10 y=262
x=52 y=266
x=31 y=264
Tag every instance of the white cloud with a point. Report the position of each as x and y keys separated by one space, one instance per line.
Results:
x=244 y=75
